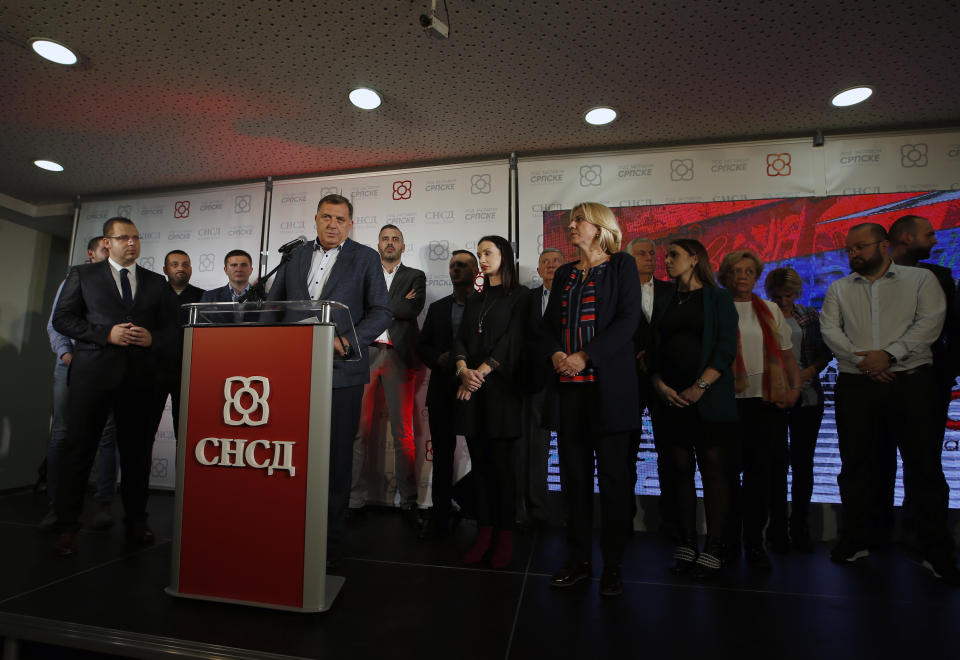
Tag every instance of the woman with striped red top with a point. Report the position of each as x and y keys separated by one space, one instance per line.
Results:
x=591 y=317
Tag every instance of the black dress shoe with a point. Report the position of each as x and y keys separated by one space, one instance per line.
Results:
x=139 y=535
x=570 y=574
x=611 y=584
x=757 y=558
x=410 y=516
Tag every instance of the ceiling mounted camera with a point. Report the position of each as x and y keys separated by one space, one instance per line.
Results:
x=432 y=25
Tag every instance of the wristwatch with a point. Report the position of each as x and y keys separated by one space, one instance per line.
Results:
x=702 y=384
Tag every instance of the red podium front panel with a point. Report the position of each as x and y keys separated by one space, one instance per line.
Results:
x=245 y=469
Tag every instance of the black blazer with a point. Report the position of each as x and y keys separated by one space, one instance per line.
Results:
x=222 y=294
x=356 y=281
x=612 y=351
x=538 y=368
x=89 y=307
x=403 y=328
x=946 y=350
x=436 y=338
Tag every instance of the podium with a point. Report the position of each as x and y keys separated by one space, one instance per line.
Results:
x=250 y=514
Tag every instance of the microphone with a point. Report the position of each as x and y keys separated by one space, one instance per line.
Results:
x=293 y=245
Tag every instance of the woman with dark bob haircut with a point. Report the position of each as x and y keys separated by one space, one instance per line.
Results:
x=488 y=354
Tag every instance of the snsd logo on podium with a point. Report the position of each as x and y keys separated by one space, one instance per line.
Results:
x=242 y=404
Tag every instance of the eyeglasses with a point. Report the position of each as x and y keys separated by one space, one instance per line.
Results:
x=859 y=247
x=125 y=238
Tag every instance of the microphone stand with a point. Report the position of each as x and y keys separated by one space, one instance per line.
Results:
x=259 y=289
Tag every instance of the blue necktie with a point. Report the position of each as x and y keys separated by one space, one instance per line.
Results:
x=126 y=291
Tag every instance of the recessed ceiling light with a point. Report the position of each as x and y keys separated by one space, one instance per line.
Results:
x=365 y=98
x=852 y=96
x=600 y=116
x=48 y=165
x=51 y=50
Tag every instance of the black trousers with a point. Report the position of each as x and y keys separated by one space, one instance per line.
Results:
x=169 y=387
x=804 y=425
x=579 y=440
x=666 y=474
x=443 y=439
x=763 y=453
x=905 y=412
x=136 y=416
x=345 y=404
x=494 y=481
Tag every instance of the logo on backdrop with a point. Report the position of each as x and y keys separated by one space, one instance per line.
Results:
x=364 y=192
x=214 y=205
x=125 y=211
x=439 y=250
x=97 y=215
x=146 y=262
x=438 y=216
x=480 y=184
x=160 y=468
x=242 y=204
x=236 y=412
x=913 y=155
x=778 y=165
x=539 y=243
x=329 y=190
x=207 y=263
x=294 y=198
x=181 y=209
x=631 y=171
x=860 y=157
x=402 y=189
x=590 y=175
x=681 y=169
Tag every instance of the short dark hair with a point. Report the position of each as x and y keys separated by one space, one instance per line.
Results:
x=905 y=224
x=184 y=254
x=476 y=264
x=508 y=267
x=876 y=230
x=389 y=226
x=237 y=253
x=92 y=243
x=116 y=220
x=336 y=199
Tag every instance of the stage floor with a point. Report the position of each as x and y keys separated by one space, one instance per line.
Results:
x=406 y=598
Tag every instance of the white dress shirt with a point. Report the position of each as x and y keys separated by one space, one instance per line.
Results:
x=384 y=337
x=132 y=276
x=901 y=312
x=646 y=299
x=320 y=266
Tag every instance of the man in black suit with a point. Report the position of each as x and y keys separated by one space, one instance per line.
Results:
x=434 y=348
x=333 y=267
x=393 y=371
x=117 y=319
x=238 y=265
x=911 y=239
x=533 y=451
x=177 y=268
x=644 y=252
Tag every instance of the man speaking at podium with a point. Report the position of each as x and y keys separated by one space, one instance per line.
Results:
x=334 y=267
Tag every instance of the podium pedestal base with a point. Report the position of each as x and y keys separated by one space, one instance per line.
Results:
x=333 y=585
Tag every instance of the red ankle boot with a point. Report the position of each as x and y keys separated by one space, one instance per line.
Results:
x=503 y=550
x=480 y=546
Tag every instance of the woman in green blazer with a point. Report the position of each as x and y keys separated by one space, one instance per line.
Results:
x=692 y=346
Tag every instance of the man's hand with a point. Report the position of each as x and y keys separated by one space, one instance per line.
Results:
x=66 y=358
x=411 y=294
x=885 y=376
x=641 y=361
x=873 y=362
x=340 y=346
x=790 y=399
x=128 y=334
x=443 y=358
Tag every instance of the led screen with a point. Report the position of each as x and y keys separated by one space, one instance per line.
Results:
x=806 y=234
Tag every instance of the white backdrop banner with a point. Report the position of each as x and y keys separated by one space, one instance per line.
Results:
x=206 y=224
x=439 y=210
x=642 y=178
x=903 y=163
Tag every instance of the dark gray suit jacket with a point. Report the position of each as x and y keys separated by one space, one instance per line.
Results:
x=404 y=331
x=356 y=281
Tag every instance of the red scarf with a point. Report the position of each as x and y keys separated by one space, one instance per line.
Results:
x=774 y=374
